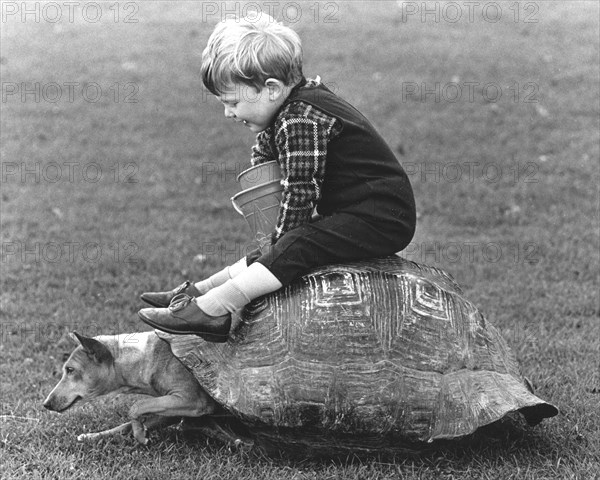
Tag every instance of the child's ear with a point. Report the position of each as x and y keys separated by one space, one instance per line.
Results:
x=275 y=87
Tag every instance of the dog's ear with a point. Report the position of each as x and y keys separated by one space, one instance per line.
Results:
x=95 y=349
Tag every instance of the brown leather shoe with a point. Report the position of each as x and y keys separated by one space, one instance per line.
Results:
x=163 y=299
x=184 y=317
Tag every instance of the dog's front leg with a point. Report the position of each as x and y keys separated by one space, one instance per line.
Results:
x=141 y=425
x=139 y=431
x=138 y=428
x=167 y=406
x=122 y=429
x=174 y=405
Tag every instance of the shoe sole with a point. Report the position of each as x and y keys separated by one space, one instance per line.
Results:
x=209 y=337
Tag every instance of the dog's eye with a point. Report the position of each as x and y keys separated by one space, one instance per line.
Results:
x=69 y=370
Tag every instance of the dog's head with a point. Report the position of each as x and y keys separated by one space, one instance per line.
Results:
x=85 y=375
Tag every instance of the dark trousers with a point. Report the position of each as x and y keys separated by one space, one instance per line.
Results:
x=338 y=238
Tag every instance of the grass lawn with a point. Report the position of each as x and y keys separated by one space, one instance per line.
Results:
x=117 y=170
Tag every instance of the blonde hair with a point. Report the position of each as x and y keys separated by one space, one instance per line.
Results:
x=250 y=50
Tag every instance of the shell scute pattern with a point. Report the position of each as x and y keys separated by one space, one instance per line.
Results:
x=364 y=355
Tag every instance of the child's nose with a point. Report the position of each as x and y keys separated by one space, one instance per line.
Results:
x=228 y=113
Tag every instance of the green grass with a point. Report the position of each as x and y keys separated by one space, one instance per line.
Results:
x=524 y=246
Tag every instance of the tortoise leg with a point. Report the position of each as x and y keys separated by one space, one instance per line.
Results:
x=212 y=427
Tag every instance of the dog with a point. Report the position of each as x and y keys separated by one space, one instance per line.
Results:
x=130 y=363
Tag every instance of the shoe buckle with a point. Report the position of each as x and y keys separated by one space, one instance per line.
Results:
x=179 y=301
x=182 y=287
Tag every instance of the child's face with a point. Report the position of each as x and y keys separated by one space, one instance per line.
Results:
x=254 y=108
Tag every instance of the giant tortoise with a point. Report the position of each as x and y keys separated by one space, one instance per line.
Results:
x=361 y=357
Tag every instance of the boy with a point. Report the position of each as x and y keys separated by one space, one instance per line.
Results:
x=330 y=157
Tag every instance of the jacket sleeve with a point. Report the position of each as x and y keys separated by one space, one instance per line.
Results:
x=262 y=151
x=302 y=134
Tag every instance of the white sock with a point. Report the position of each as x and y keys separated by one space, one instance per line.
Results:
x=253 y=282
x=222 y=299
x=221 y=276
x=238 y=267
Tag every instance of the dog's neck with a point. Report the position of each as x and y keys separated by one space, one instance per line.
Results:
x=135 y=360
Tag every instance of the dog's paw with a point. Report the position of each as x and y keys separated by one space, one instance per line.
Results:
x=141 y=439
x=139 y=432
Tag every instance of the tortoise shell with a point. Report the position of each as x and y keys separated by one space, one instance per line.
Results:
x=362 y=356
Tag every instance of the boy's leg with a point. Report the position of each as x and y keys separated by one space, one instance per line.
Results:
x=337 y=238
x=209 y=315
x=253 y=282
x=340 y=237
x=221 y=276
x=163 y=299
